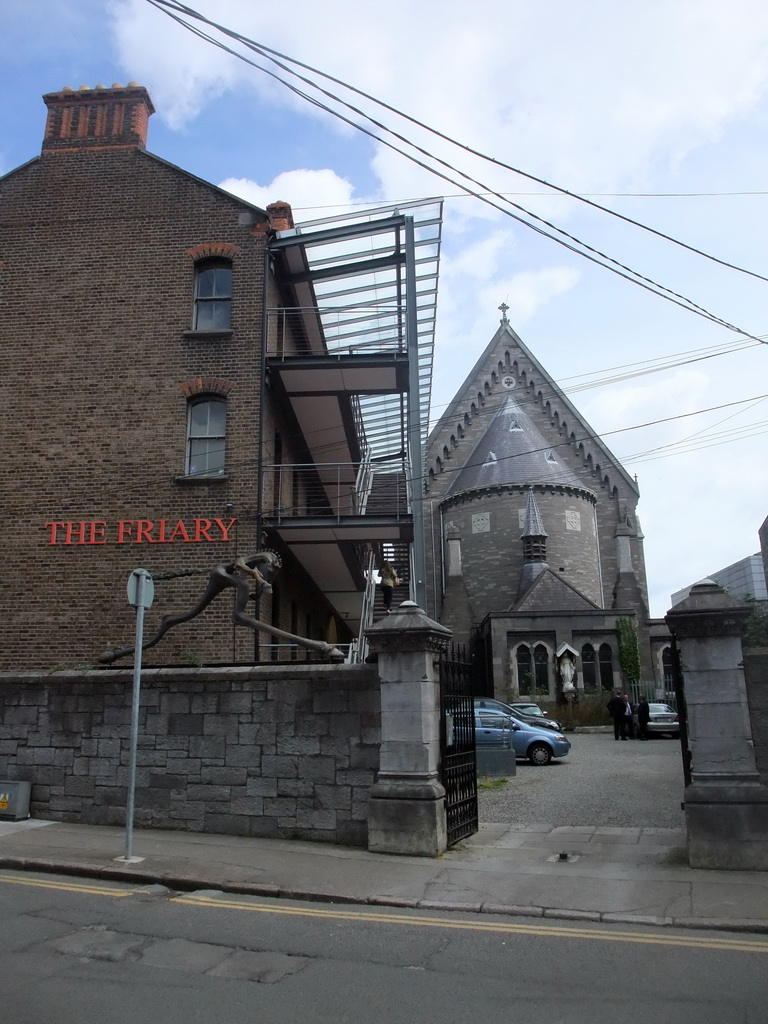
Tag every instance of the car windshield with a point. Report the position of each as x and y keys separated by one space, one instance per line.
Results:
x=661 y=709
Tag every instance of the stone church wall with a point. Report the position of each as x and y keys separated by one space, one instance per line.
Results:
x=286 y=752
x=495 y=553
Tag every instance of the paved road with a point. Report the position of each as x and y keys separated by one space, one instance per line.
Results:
x=601 y=782
x=75 y=951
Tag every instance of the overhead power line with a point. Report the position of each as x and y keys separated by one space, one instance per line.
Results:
x=581 y=197
x=173 y=9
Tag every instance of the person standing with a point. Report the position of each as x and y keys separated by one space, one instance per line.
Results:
x=643 y=715
x=389 y=581
x=616 y=710
x=628 y=716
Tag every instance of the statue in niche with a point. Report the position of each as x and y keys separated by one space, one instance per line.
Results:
x=568 y=674
x=250 y=578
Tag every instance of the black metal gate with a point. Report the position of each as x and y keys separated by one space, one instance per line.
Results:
x=458 y=772
x=682 y=711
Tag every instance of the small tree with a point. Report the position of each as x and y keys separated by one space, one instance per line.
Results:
x=756 y=628
x=629 y=649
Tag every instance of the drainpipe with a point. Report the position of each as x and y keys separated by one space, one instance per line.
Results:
x=262 y=393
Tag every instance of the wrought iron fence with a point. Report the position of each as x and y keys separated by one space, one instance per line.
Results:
x=458 y=770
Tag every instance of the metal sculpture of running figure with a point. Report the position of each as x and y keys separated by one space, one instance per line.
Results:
x=261 y=568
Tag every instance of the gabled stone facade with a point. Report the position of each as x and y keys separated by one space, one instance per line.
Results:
x=538 y=549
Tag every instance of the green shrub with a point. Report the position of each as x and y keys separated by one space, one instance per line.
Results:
x=629 y=650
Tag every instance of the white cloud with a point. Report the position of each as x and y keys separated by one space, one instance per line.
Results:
x=311 y=193
x=589 y=94
x=527 y=293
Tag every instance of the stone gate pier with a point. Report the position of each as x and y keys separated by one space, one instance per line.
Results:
x=726 y=804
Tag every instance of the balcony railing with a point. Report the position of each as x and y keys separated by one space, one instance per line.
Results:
x=332 y=490
x=345 y=330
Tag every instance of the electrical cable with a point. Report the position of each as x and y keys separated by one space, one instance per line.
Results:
x=267 y=51
x=598 y=257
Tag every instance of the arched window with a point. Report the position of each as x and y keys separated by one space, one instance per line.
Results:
x=206 y=431
x=605 y=656
x=213 y=295
x=541 y=669
x=588 y=667
x=524 y=669
x=666 y=663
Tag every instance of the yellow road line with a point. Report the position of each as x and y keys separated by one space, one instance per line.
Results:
x=479 y=924
x=90 y=890
x=482 y=924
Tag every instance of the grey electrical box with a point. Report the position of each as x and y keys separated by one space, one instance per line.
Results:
x=14 y=800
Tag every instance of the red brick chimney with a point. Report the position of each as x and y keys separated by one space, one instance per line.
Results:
x=280 y=216
x=97 y=118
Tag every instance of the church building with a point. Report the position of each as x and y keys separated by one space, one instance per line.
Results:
x=537 y=559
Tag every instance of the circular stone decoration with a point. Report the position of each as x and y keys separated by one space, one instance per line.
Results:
x=508 y=382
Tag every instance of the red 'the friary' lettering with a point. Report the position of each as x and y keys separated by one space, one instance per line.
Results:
x=139 y=531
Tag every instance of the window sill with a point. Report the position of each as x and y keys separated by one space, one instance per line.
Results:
x=207 y=335
x=202 y=478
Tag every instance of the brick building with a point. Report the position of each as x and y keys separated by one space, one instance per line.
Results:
x=537 y=549
x=178 y=392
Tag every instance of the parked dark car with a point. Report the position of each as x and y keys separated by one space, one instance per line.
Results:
x=496 y=729
x=524 y=710
x=663 y=720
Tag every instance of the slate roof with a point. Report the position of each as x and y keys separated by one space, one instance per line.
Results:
x=506 y=340
x=513 y=451
x=550 y=593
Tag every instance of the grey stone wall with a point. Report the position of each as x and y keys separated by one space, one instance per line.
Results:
x=493 y=560
x=284 y=751
x=756 y=679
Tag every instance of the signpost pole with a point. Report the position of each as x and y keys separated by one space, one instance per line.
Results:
x=140 y=594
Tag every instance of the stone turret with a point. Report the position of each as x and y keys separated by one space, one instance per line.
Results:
x=534 y=538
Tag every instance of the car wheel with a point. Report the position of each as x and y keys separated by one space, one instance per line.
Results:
x=539 y=753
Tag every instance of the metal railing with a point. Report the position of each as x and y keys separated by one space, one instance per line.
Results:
x=345 y=330
x=332 y=490
x=654 y=692
x=364 y=481
x=360 y=652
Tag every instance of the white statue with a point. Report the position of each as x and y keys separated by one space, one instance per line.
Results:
x=567 y=672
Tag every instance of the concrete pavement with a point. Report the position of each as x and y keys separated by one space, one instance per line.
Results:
x=623 y=875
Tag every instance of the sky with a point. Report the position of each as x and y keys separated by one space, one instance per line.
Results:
x=657 y=111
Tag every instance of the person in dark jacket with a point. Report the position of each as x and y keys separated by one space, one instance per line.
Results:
x=629 y=718
x=616 y=709
x=643 y=715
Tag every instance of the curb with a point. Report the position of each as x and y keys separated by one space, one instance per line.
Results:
x=190 y=883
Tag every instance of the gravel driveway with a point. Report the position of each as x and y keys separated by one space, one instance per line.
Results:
x=601 y=782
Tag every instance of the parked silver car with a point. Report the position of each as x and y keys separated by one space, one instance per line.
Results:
x=663 y=719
